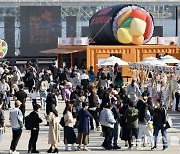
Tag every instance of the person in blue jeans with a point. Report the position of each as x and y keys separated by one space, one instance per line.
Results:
x=159 y=121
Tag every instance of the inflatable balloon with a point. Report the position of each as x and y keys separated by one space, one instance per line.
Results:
x=121 y=24
x=3 y=48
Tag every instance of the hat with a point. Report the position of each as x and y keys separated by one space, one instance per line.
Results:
x=113 y=99
x=17 y=103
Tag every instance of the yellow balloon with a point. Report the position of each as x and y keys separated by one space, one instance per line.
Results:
x=138 y=39
x=138 y=26
x=124 y=35
x=123 y=17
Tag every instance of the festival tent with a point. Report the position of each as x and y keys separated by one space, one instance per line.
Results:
x=152 y=61
x=112 y=61
x=169 y=60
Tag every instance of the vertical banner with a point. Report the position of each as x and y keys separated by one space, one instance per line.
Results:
x=71 y=26
x=40 y=29
x=9 y=32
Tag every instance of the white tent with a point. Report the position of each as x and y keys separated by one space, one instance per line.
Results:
x=112 y=61
x=169 y=60
x=152 y=61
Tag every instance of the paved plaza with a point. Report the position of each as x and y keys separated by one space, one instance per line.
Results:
x=95 y=137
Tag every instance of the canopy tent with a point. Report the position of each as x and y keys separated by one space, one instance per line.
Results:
x=112 y=61
x=151 y=61
x=169 y=60
x=65 y=50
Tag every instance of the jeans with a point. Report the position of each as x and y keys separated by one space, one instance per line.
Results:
x=43 y=95
x=33 y=140
x=1 y=132
x=164 y=136
x=15 y=138
x=115 y=133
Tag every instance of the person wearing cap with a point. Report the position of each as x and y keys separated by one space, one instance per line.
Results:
x=83 y=128
x=116 y=125
x=16 y=121
x=107 y=121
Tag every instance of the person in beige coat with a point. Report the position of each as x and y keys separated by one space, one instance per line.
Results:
x=54 y=131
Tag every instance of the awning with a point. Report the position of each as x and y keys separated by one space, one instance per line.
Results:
x=65 y=50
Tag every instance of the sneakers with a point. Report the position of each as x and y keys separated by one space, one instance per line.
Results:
x=86 y=149
x=164 y=149
x=15 y=152
x=154 y=148
x=79 y=148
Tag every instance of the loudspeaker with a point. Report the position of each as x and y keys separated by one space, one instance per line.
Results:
x=9 y=32
x=158 y=31
x=71 y=26
x=85 y=31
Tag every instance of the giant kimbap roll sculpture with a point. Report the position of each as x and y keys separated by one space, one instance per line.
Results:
x=121 y=24
x=3 y=48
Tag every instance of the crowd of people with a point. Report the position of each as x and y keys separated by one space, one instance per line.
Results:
x=112 y=107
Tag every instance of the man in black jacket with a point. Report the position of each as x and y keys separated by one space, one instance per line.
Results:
x=34 y=129
x=21 y=95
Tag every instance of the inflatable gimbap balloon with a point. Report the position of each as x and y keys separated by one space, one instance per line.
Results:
x=121 y=24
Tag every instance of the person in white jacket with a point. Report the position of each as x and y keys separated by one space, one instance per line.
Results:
x=107 y=121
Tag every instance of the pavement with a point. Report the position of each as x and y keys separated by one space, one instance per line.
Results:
x=95 y=138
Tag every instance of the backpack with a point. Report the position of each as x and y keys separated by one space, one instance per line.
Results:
x=62 y=123
x=28 y=123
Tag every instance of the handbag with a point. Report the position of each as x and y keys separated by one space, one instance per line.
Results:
x=168 y=119
x=150 y=126
x=168 y=122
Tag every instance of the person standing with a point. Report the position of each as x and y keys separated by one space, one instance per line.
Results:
x=2 y=120
x=131 y=116
x=159 y=120
x=91 y=75
x=116 y=125
x=43 y=86
x=35 y=120
x=16 y=121
x=21 y=95
x=54 y=130
x=107 y=121
x=133 y=91
x=83 y=128
x=69 y=134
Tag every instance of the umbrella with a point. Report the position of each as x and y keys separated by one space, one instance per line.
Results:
x=112 y=61
x=169 y=59
x=152 y=61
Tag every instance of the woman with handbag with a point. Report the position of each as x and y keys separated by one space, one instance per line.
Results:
x=144 y=117
x=69 y=134
x=159 y=122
